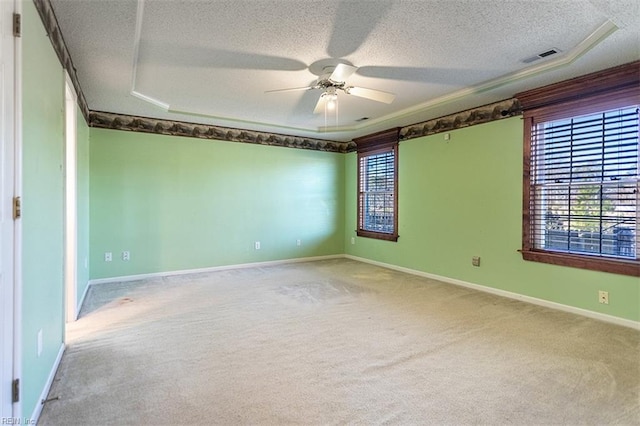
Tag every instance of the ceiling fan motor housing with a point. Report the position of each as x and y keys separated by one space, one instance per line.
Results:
x=332 y=79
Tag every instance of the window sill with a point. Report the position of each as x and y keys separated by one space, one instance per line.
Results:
x=377 y=235
x=603 y=264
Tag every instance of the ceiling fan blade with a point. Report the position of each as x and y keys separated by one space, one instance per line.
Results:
x=293 y=89
x=342 y=72
x=374 y=95
x=320 y=106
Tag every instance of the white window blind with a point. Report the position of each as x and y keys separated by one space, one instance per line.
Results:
x=585 y=184
x=377 y=189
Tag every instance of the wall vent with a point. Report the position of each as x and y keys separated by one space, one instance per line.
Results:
x=363 y=119
x=544 y=54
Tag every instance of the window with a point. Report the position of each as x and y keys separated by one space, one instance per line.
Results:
x=378 y=185
x=377 y=192
x=582 y=173
x=584 y=182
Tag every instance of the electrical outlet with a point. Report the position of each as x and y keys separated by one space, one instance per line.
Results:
x=126 y=255
x=298 y=243
x=108 y=256
x=353 y=240
x=475 y=260
x=603 y=297
x=257 y=245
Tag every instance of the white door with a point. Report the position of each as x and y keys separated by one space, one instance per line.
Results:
x=7 y=134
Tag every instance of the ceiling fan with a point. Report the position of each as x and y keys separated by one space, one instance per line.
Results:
x=333 y=79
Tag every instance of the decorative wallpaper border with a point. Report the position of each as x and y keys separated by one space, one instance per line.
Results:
x=50 y=22
x=107 y=120
x=471 y=117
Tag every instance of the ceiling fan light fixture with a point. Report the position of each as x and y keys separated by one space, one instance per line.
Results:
x=332 y=100
x=332 y=79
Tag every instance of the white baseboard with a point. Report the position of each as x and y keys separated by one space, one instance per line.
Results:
x=210 y=269
x=81 y=301
x=47 y=387
x=533 y=300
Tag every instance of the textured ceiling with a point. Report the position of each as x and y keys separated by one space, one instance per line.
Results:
x=214 y=60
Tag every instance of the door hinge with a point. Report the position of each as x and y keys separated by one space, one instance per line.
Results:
x=17 y=208
x=15 y=390
x=17 y=27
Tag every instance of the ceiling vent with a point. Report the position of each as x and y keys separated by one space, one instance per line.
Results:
x=541 y=55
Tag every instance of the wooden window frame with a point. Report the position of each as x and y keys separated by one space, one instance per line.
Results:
x=375 y=144
x=604 y=90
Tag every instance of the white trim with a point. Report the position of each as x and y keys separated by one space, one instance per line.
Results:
x=8 y=321
x=47 y=387
x=81 y=301
x=70 y=200
x=136 y=44
x=153 y=101
x=134 y=66
x=211 y=269
x=17 y=230
x=508 y=294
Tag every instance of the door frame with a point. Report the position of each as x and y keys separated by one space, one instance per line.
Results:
x=7 y=191
x=11 y=284
x=17 y=224
x=70 y=201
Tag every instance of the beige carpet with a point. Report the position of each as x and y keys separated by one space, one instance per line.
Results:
x=336 y=342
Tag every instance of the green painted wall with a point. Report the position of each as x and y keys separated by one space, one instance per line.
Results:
x=42 y=195
x=183 y=203
x=462 y=198
x=82 y=274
